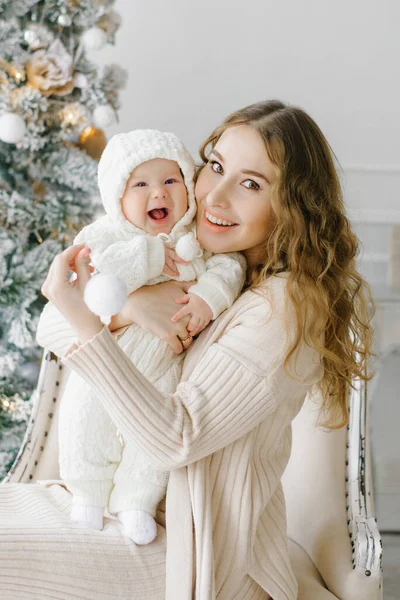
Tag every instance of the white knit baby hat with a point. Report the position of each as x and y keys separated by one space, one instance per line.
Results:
x=125 y=151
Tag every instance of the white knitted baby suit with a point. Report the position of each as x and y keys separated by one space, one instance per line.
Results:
x=89 y=452
x=93 y=464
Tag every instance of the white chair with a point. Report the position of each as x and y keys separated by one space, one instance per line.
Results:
x=335 y=546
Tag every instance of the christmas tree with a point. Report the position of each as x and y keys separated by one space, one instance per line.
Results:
x=54 y=103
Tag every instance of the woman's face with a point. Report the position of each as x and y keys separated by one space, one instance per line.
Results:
x=234 y=187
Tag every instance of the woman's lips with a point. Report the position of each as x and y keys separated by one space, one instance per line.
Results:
x=217 y=228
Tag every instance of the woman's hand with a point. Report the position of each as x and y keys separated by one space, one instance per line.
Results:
x=151 y=307
x=67 y=295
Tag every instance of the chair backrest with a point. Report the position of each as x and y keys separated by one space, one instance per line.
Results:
x=38 y=456
x=323 y=508
x=314 y=483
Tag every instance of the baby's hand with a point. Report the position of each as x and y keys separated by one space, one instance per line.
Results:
x=171 y=258
x=201 y=313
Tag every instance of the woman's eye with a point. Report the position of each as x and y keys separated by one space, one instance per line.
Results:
x=216 y=167
x=252 y=185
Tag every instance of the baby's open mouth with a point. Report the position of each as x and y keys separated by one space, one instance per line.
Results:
x=157 y=214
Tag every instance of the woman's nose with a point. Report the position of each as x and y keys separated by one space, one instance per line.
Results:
x=218 y=196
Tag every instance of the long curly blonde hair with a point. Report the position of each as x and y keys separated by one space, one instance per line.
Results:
x=311 y=238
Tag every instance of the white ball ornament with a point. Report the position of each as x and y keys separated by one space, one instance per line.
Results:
x=94 y=39
x=105 y=295
x=104 y=116
x=188 y=248
x=12 y=128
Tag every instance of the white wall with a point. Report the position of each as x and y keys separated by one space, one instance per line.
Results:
x=190 y=64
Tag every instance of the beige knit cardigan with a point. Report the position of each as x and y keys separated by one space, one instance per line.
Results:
x=225 y=435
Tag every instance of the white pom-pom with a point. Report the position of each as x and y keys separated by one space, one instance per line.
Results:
x=12 y=128
x=94 y=39
x=188 y=248
x=105 y=295
x=104 y=116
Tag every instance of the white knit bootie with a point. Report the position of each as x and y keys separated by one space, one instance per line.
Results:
x=139 y=525
x=87 y=516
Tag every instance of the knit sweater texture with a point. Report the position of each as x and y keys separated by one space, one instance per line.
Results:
x=225 y=435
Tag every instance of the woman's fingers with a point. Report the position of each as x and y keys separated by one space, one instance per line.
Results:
x=82 y=267
x=175 y=344
x=45 y=289
x=52 y=277
x=174 y=340
x=71 y=252
x=72 y=267
x=182 y=299
x=61 y=262
x=58 y=272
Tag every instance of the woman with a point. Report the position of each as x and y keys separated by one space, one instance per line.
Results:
x=225 y=434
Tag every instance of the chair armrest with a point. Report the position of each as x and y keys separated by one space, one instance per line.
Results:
x=363 y=530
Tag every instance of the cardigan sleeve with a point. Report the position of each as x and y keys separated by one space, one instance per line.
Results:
x=236 y=384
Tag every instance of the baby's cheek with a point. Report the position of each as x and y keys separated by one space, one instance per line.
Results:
x=124 y=207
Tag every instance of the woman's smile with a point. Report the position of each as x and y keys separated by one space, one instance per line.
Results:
x=218 y=222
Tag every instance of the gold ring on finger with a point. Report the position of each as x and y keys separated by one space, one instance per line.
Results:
x=189 y=337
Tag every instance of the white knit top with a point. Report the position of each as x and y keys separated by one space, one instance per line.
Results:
x=225 y=435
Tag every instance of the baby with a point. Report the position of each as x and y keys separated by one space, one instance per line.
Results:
x=146 y=184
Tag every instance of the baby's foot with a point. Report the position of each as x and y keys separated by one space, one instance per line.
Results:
x=139 y=525
x=88 y=516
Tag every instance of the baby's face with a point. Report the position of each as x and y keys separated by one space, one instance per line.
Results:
x=155 y=196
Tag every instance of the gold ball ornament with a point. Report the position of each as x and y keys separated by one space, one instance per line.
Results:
x=93 y=141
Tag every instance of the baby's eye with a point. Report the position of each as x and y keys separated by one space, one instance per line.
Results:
x=141 y=184
x=170 y=181
x=216 y=167
x=252 y=185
